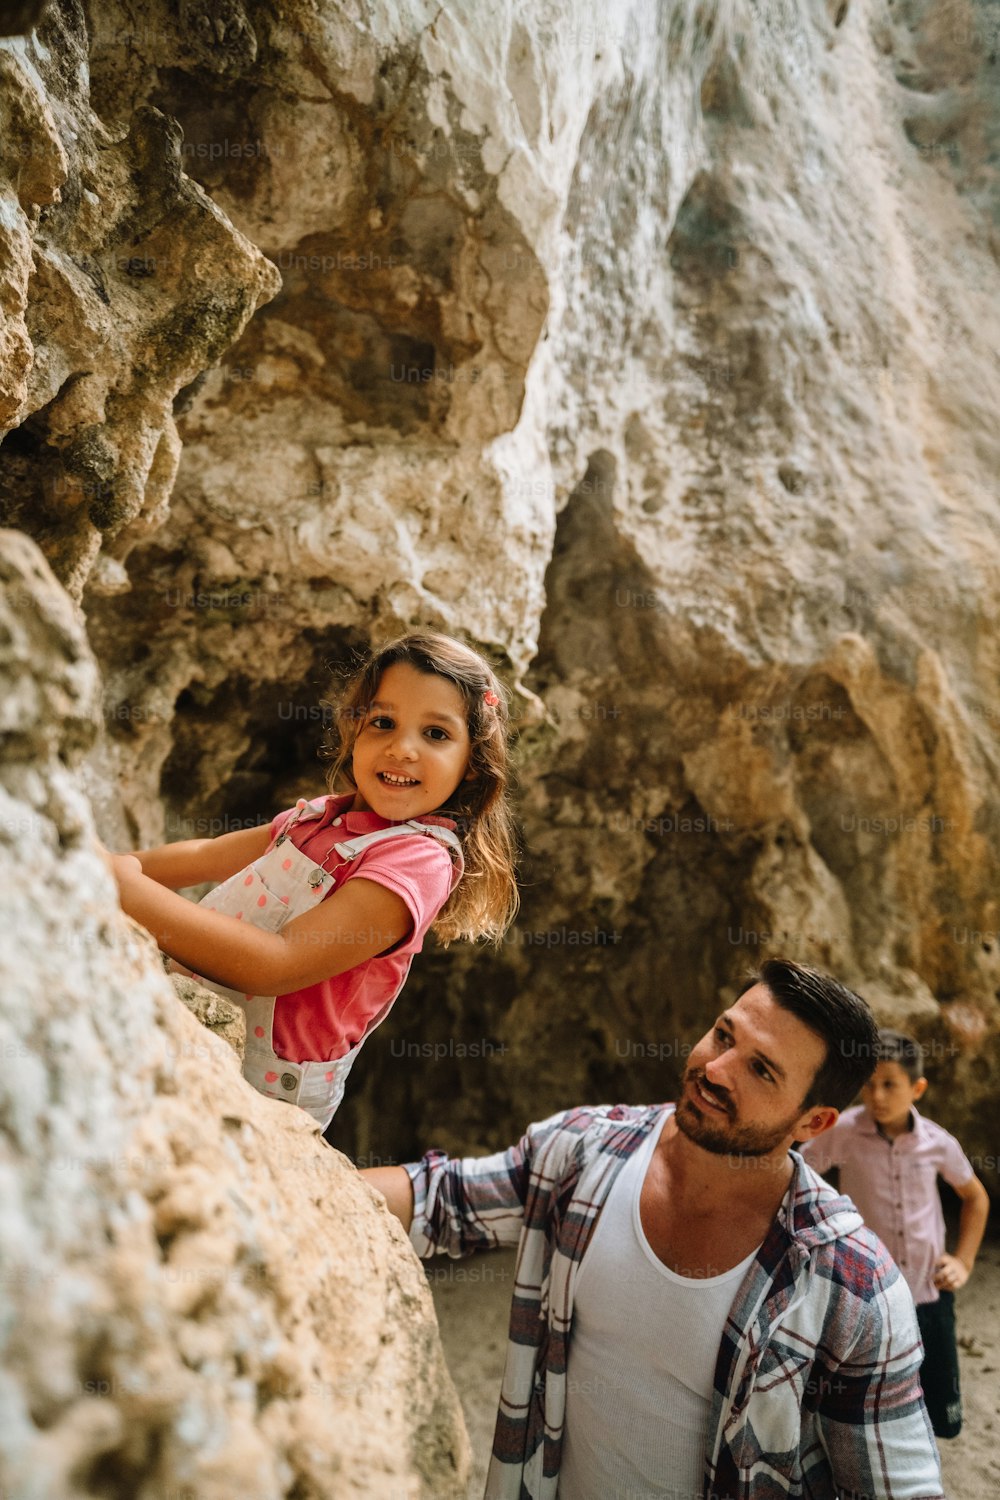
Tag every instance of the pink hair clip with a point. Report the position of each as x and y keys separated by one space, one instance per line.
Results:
x=490 y=699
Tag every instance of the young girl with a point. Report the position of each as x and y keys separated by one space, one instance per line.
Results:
x=319 y=914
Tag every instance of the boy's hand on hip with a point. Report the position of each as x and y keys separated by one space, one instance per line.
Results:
x=950 y=1273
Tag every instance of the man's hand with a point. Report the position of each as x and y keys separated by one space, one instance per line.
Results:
x=950 y=1273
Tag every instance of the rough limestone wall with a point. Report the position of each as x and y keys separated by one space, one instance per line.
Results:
x=93 y=352
x=201 y=1300
x=658 y=351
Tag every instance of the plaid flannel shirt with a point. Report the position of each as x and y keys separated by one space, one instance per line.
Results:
x=816 y=1392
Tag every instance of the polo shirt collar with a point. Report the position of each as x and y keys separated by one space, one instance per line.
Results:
x=868 y=1126
x=367 y=821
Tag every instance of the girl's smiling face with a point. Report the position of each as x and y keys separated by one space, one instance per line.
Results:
x=413 y=747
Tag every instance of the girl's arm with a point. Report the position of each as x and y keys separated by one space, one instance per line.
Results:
x=192 y=861
x=354 y=924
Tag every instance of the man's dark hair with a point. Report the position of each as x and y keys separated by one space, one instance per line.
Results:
x=895 y=1046
x=836 y=1014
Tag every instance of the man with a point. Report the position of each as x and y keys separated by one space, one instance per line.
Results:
x=695 y=1313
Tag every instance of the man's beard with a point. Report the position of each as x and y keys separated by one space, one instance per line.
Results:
x=720 y=1135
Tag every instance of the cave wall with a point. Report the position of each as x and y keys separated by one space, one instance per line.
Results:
x=96 y=348
x=656 y=351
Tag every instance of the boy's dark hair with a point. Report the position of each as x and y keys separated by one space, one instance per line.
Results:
x=897 y=1047
x=836 y=1014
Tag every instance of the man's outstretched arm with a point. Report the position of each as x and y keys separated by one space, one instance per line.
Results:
x=458 y=1205
x=396 y=1187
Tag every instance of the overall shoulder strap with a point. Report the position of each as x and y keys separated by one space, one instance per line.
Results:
x=351 y=848
x=302 y=812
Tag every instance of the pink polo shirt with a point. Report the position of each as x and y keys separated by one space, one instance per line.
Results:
x=326 y=1020
x=894 y=1185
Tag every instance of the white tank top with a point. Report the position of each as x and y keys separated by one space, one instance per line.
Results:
x=641 y=1359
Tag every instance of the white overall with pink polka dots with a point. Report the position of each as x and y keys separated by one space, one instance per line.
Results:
x=283 y=884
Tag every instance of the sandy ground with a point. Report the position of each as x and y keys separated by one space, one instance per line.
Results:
x=473 y=1300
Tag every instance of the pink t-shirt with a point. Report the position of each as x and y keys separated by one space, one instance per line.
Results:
x=327 y=1019
x=894 y=1185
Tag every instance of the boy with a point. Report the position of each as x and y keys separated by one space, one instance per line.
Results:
x=889 y=1159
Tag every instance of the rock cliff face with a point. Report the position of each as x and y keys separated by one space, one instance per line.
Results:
x=121 y=282
x=656 y=351
x=200 y=1297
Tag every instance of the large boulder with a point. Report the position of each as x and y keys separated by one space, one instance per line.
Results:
x=201 y=1297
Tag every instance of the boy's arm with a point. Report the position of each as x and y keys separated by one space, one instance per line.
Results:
x=952 y=1271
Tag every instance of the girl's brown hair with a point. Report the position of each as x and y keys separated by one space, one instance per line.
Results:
x=484 y=902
